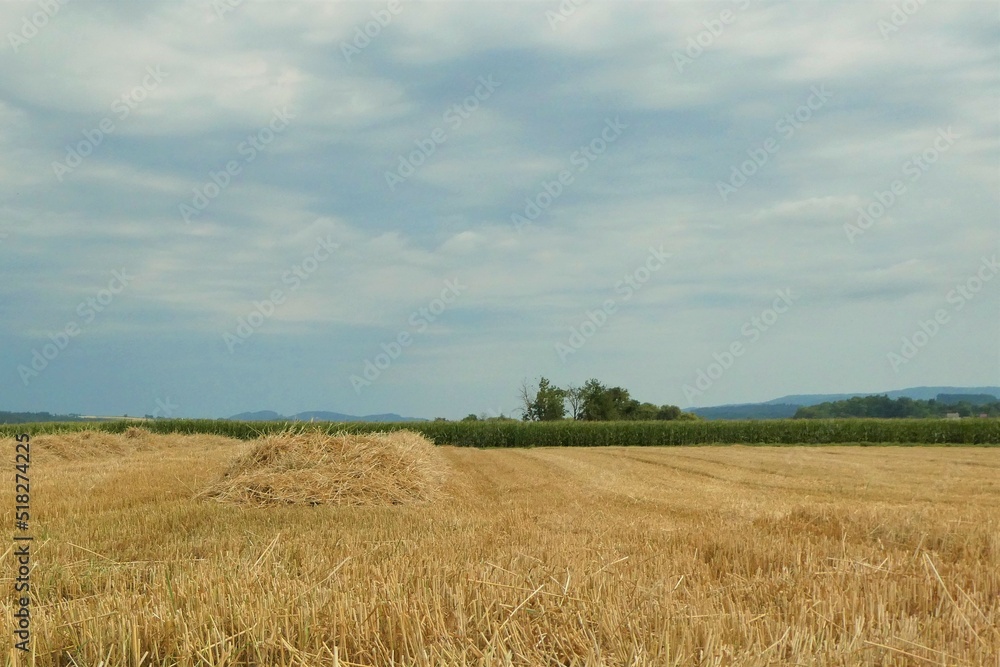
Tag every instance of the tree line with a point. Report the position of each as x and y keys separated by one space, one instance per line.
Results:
x=883 y=407
x=31 y=417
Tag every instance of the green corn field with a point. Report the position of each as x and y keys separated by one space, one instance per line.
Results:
x=594 y=434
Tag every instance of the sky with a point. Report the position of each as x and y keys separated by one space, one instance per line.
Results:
x=214 y=206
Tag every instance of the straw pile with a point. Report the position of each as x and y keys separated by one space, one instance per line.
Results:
x=90 y=444
x=314 y=468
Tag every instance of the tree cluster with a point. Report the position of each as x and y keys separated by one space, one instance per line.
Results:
x=592 y=402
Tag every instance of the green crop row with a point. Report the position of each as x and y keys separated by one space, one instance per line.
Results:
x=596 y=434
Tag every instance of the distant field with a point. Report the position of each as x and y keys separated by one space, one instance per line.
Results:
x=595 y=434
x=746 y=556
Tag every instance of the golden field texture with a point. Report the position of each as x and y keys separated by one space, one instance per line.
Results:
x=598 y=556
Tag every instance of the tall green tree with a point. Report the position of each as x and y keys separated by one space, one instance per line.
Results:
x=596 y=404
x=574 y=398
x=601 y=403
x=549 y=403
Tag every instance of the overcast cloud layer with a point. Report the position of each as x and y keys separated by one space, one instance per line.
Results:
x=205 y=211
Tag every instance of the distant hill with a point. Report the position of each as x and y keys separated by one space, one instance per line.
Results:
x=785 y=406
x=260 y=416
x=320 y=416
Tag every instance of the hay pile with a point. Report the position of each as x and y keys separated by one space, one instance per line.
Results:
x=314 y=468
x=90 y=444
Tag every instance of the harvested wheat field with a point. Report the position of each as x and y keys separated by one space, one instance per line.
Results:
x=199 y=550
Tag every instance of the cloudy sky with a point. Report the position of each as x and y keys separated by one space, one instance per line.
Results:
x=208 y=207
